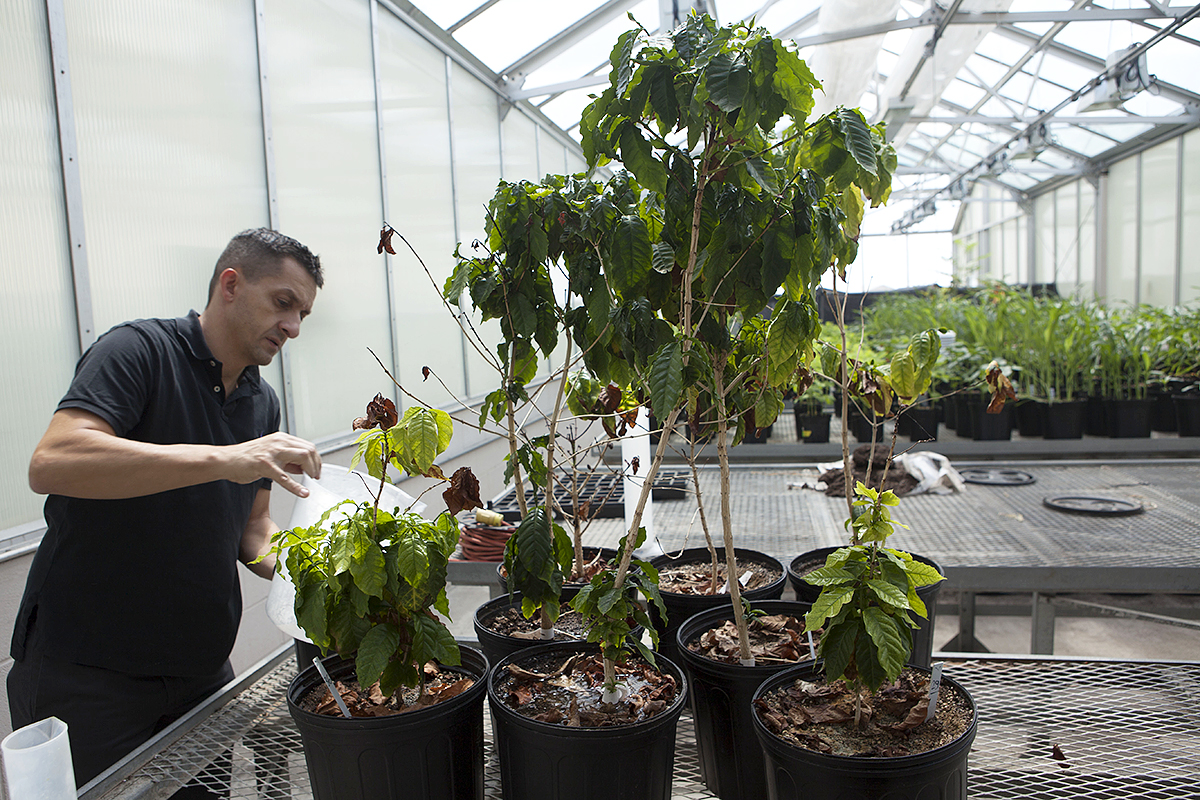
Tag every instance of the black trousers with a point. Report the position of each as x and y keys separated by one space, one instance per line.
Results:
x=108 y=713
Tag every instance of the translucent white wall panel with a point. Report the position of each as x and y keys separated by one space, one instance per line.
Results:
x=1120 y=273
x=520 y=148
x=1011 y=252
x=1044 y=232
x=170 y=147
x=575 y=162
x=1189 y=279
x=37 y=310
x=1087 y=240
x=552 y=156
x=1160 y=184
x=1024 y=270
x=421 y=206
x=476 y=173
x=327 y=173
x=1066 y=238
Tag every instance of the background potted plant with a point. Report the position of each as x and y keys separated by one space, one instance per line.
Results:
x=368 y=583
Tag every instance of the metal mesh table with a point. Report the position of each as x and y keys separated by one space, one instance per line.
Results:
x=1048 y=728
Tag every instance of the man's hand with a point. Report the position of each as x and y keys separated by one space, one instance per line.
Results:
x=81 y=456
x=278 y=456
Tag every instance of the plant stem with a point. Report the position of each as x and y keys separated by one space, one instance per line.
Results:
x=712 y=549
x=735 y=586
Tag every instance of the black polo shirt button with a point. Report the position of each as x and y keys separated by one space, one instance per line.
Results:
x=216 y=388
x=212 y=363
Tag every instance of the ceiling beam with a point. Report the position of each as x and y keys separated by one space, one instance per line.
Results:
x=478 y=10
x=964 y=119
x=515 y=72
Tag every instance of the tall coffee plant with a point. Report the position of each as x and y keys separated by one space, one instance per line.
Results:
x=744 y=204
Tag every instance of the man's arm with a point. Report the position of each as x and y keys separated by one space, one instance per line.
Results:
x=81 y=456
x=256 y=539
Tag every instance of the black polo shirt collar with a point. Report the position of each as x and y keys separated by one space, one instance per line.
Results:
x=192 y=335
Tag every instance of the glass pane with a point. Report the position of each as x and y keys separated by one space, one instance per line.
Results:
x=1043 y=221
x=327 y=170
x=421 y=205
x=1189 y=279
x=1159 y=202
x=171 y=157
x=1120 y=271
x=1087 y=240
x=37 y=308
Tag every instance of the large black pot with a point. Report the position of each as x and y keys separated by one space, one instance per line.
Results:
x=433 y=753
x=1187 y=413
x=794 y=772
x=497 y=645
x=1128 y=419
x=922 y=652
x=608 y=553
x=545 y=761
x=813 y=428
x=681 y=606
x=989 y=427
x=731 y=759
x=1064 y=420
x=922 y=423
x=1031 y=417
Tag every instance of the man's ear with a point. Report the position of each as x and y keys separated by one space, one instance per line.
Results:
x=228 y=283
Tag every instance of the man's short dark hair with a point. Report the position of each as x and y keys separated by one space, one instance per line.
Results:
x=259 y=252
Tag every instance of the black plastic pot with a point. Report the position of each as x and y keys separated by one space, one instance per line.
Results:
x=1162 y=412
x=989 y=427
x=758 y=436
x=497 y=645
x=922 y=423
x=434 y=753
x=545 y=761
x=863 y=427
x=731 y=759
x=813 y=429
x=1187 y=413
x=1128 y=419
x=1095 y=421
x=681 y=606
x=963 y=417
x=794 y=772
x=922 y=652
x=1064 y=420
x=609 y=554
x=1031 y=417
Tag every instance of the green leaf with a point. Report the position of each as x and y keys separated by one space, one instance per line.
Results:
x=858 y=139
x=728 y=80
x=630 y=258
x=521 y=315
x=889 y=642
x=837 y=648
x=412 y=561
x=638 y=157
x=374 y=652
x=666 y=379
x=419 y=436
x=310 y=611
x=794 y=81
x=827 y=604
x=888 y=593
x=663 y=258
x=432 y=641
x=368 y=571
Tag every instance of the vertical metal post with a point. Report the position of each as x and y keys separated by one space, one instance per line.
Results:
x=1137 y=254
x=466 y=373
x=1101 y=266
x=264 y=97
x=1041 y=640
x=68 y=149
x=1179 y=221
x=389 y=275
x=966 y=622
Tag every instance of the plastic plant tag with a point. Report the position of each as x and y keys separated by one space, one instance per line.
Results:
x=332 y=689
x=812 y=648
x=935 y=684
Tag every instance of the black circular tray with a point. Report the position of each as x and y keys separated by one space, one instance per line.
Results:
x=995 y=476
x=1084 y=504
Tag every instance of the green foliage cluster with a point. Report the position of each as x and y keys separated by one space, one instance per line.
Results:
x=868 y=597
x=367 y=580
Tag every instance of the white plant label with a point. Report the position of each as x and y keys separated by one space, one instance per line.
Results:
x=935 y=684
x=812 y=648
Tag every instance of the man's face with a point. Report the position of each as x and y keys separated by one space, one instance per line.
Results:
x=268 y=312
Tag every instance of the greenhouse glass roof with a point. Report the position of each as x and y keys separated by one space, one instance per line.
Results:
x=1026 y=93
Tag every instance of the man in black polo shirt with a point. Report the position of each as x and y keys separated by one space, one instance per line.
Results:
x=158 y=464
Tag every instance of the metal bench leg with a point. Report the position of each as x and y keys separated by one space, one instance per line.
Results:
x=1042 y=624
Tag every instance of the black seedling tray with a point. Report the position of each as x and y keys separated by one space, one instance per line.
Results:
x=605 y=494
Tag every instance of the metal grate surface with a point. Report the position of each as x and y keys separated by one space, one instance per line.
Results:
x=1126 y=731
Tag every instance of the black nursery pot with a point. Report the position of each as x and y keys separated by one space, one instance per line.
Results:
x=922 y=651
x=989 y=427
x=1187 y=413
x=922 y=423
x=1031 y=417
x=681 y=606
x=1128 y=419
x=794 y=772
x=549 y=761
x=434 y=753
x=1064 y=420
x=497 y=645
x=731 y=759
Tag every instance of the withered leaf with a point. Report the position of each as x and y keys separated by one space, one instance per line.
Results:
x=385 y=240
x=381 y=411
x=463 y=493
x=425 y=371
x=1002 y=389
x=435 y=471
x=634 y=464
x=1056 y=753
x=610 y=398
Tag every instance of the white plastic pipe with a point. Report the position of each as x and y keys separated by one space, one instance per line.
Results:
x=37 y=762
